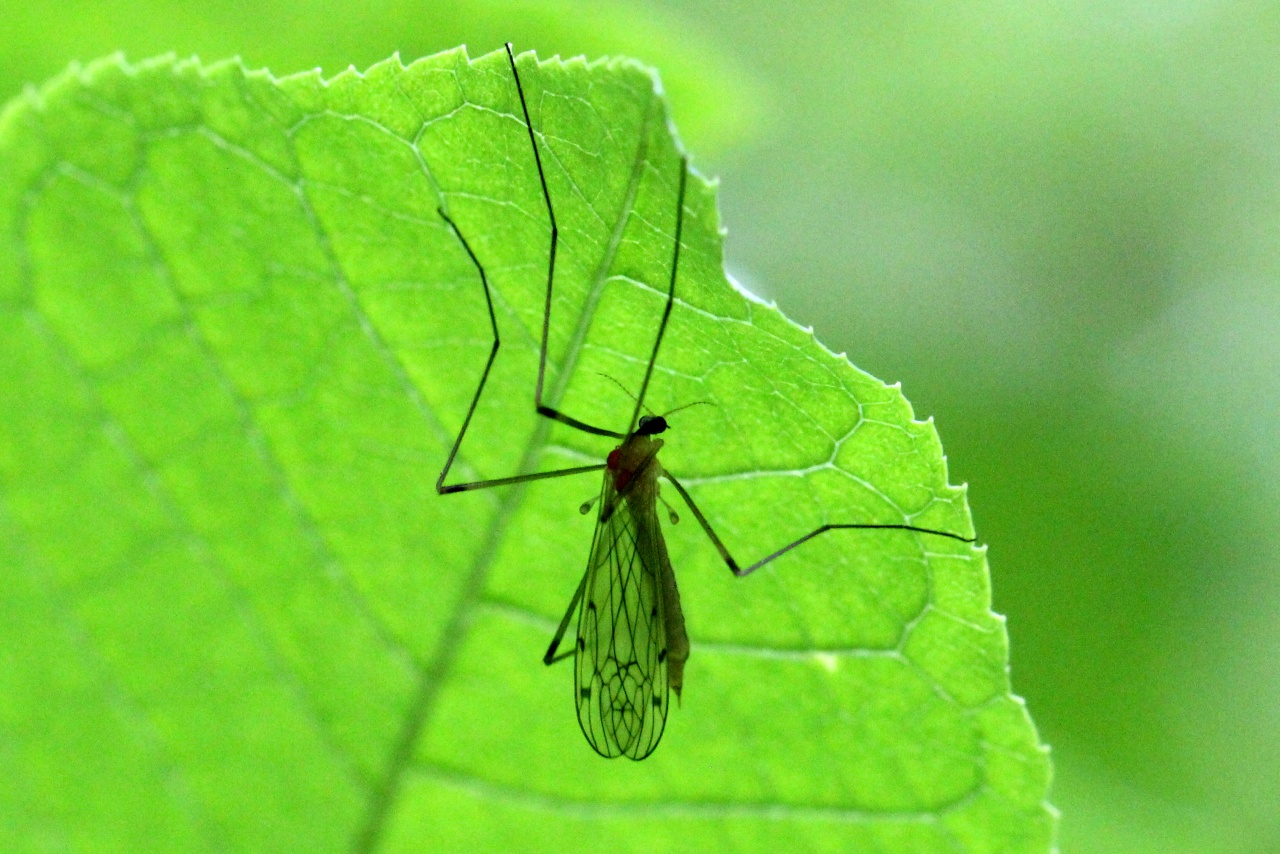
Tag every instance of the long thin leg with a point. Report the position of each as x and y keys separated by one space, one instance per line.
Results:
x=740 y=571
x=551 y=658
x=441 y=487
x=542 y=408
x=671 y=293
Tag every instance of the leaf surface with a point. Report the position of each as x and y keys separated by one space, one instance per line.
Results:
x=238 y=341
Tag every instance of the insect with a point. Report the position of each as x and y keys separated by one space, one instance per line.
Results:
x=631 y=645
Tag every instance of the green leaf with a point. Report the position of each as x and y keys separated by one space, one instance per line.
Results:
x=237 y=343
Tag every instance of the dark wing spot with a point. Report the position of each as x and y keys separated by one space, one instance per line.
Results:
x=654 y=612
x=591 y=605
x=582 y=644
x=657 y=702
x=662 y=656
x=586 y=693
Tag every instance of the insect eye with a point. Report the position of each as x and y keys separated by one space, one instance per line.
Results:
x=651 y=425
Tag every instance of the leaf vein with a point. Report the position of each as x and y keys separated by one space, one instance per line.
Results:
x=694 y=809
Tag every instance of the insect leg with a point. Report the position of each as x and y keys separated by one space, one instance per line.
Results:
x=706 y=526
x=741 y=571
x=441 y=487
x=551 y=658
x=671 y=290
x=542 y=408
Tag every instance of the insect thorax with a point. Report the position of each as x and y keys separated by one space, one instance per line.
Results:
x=634 y=456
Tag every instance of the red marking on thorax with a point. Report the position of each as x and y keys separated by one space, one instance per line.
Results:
x=621 y=476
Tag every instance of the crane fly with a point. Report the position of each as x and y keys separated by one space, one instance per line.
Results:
x=631 y=645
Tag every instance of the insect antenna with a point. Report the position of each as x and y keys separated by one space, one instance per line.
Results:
x=625 y=390
x=686 y=406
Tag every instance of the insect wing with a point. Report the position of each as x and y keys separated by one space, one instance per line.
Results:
x=621 y=662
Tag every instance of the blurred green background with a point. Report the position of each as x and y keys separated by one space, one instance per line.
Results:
x=1058 y=225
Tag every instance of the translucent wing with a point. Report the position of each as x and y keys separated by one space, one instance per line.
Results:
x=620 y=672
